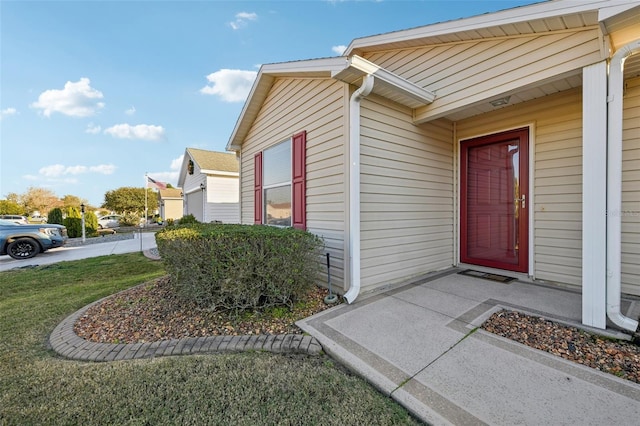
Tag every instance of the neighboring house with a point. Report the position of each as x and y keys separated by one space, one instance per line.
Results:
x=489 y=143
x=209 y=181
x=170 y=202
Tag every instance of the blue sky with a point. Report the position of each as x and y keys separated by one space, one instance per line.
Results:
x=94 y=94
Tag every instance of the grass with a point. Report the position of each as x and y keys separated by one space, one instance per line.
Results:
x=37 y=387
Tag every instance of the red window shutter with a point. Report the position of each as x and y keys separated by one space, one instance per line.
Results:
x=299 y=180
x=257 y=188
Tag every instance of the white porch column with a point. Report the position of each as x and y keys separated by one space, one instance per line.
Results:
x=594 y=195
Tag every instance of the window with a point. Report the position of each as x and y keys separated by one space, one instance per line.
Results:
x=280 y=184
x=277 y=184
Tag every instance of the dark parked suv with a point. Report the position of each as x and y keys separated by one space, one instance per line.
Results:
x=26 y=241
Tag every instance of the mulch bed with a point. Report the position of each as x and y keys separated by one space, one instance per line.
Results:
x=152 y=312
x=620 y=358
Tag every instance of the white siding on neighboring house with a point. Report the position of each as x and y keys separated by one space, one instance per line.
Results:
x=463 y=73
x=406 y=194
x=631 y=189
x=557 y=188
x=317 y=106
x=222 y=199
x=193 y=204
x=193 y=194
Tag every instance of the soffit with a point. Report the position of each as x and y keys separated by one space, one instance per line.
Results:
x=558 y=84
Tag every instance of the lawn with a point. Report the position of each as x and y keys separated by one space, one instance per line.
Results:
x=38 y=387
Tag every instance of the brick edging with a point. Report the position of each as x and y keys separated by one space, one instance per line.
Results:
x=65 y=342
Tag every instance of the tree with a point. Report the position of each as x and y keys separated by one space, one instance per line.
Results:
x=55 y=216
x=11 y=207
x=73 y=201
x=12 y=196
x=91 y=224
x=39 y=199
x=73 y=222
x=130 y=200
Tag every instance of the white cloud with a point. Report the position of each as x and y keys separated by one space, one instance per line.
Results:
x=172 y=175
x=230 y=85
x=58 y=170
x=7 y=112
x=167 y=177
x=131 y=111
x=103 y=169
x=77 y=99
x=75 y=170
x=176 y=163
x=339 y=50
x=93 y=129
x=53 y=170
x=242 y=19
x=141 y=131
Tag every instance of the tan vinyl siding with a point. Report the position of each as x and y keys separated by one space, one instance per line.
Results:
x=557 y=187
x=464 y=73
x=631 y=189
x=314 y=105
x=406 y=194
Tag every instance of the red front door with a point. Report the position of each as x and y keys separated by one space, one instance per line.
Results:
x=494 y=201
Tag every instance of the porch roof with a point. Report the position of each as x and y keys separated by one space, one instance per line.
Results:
x=544 y=17
x=554 y=15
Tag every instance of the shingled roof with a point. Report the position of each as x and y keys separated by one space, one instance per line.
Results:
x=214 y=161
x=170 y=193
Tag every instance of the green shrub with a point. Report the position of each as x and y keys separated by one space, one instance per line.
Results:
x=73 y=212
x=55 y=216
x=74 y=226
x=90 y=224
x=130 y=219
x=240 y=267
x=169 y=222
x=189 y=219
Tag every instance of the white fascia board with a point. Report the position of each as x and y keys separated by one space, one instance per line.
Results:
x=399 y=84
x=219 y=173
x=235 y=139
x=546 y=9
x=615 y=8
x=183 y=168
x=309 y=68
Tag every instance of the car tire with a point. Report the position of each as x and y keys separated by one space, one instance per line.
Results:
x=23 y=248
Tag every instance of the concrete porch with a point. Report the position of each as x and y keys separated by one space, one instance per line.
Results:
x=419 y=345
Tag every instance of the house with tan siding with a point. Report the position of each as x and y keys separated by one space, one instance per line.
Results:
x=210 y=185
x=170 y=202
x=506 y=143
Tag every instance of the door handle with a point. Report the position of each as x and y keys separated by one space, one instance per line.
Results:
x=523 y=201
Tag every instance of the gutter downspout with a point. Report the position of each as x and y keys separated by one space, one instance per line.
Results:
x=614 y=186
x=354 y=186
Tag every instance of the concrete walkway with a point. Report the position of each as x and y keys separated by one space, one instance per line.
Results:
x=420 y=345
